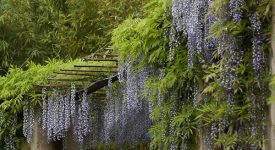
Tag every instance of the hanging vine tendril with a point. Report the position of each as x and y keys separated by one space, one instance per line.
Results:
x=28 y=120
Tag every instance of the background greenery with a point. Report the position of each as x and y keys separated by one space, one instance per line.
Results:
x=49 y=32
x=40 y=29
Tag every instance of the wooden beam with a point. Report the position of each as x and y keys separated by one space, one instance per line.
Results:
x=70 y=80
x=100 y=91
x=99 y=101
x=94 y=66
x=102 y=54
x=91 y=71
x=99 y=59
x=108 y=48
x=98 y=94
x=53 y=85
x=99 y=97
x=79 y=74
x=59 y=86
x=97 y=85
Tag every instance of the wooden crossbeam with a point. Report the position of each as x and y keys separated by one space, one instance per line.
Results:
x=99 y=59
x=102 y=54
x=94 y=66
x=59 y=86
x=99 y=101
x=76 y=74
x=99 y=97
x=101 y=94
x=70 y=80
x=53 y=85
x=98 y=85
x=80 y=74
x=90 y=71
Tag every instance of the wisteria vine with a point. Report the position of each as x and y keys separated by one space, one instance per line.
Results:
x=124 y=110
x=60 y=111
x=229 y=38
x=216 y=36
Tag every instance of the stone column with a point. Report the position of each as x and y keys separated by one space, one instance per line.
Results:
x=70 y=143
x=39 y=141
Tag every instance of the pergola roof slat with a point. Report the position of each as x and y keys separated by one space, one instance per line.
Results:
x=94 y=66
x=100 y=59
x=102 y=55
x=69 y=79
x=79 y=74
x=90 y=71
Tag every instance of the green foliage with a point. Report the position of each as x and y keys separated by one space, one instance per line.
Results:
x=19 y=84
x=144 y=42
x=40 y=29
x=186 y=126
x=227 y=141
x=212 y=112
x=136 y=37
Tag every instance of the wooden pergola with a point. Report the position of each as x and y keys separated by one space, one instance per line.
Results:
x=96 y=75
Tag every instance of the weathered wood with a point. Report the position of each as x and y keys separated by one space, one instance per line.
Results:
x=100 y=91
x=90 y=71
x=99 y=97
x=99 y=94
x=102 y=54
x=99 y=59
x=97 y=85
x=68 y=79
x=94 y=66
x=79 y=74
x=108 y=48
x=53 y=85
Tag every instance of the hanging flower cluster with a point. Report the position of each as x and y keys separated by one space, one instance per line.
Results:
x=258 y=41
x=28 y=120
x=215 y=28
x=82 y=124
x=127 y=120
x=9 y=143
x=213 y=56
x=236 y=9
x=189 y=20
x=60 y=111
x=9 y=139
x=232 y=53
